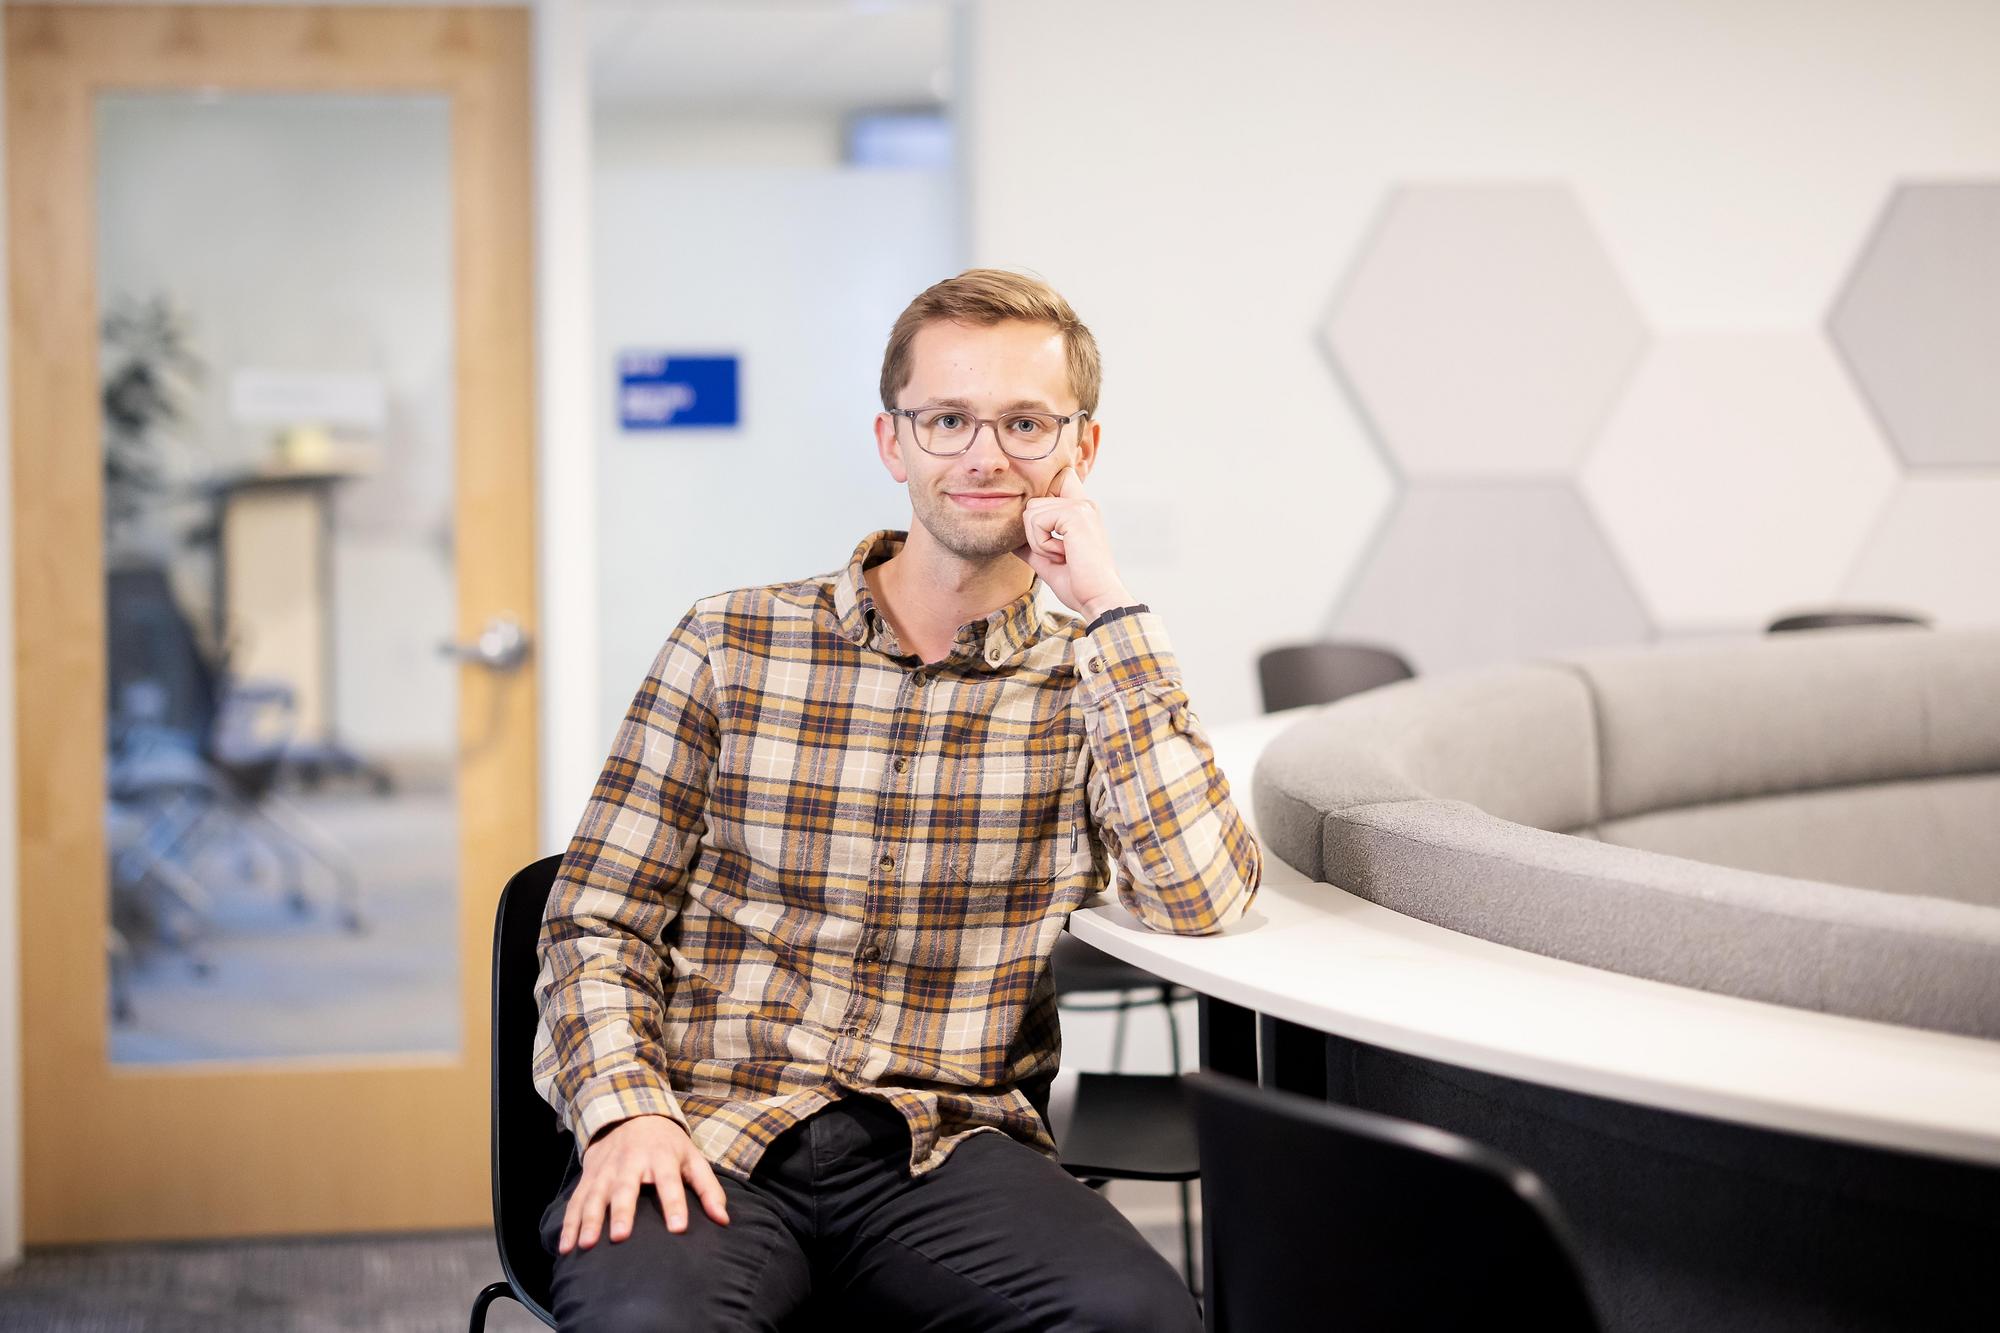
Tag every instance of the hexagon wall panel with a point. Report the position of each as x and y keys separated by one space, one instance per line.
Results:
x=1919 y=323
x=1936 y=552
x=1739 y=475
x=1466 y=574
x=1483 y=331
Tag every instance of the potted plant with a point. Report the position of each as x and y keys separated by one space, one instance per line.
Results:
x=151 y=370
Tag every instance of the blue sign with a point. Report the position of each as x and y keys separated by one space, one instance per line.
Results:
x=661 y=392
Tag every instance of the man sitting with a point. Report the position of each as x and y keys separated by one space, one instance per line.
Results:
x=797 y=955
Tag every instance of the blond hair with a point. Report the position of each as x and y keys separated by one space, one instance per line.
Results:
x=983 y=296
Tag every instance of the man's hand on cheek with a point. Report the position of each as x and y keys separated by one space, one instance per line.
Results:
x=1067 y=548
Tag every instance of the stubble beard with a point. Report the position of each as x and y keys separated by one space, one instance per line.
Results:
x=969 y=536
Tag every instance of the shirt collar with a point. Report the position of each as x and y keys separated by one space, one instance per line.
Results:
x=991 y=641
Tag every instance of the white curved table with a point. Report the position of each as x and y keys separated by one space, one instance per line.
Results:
x=1311 y=954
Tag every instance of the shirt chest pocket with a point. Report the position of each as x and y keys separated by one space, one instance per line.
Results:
x=1017 y=823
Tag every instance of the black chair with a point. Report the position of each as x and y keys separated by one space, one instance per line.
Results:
x=1324 y=1216
x=1082 y=970
x=194 y=747
x=1318 y=673
x=531 y=1149
x=1127 y=1126
x=1842 y=619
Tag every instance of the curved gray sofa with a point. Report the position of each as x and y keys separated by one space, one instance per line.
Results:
x=1810 y=818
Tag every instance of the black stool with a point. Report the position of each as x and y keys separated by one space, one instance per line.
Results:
x=1127 y=1126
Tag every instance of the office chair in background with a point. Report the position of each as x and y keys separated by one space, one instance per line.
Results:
x=1323 y=1216
x=1295 y=675
x=194 y=757
x=1835 y=618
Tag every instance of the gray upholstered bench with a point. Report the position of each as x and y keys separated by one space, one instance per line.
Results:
x=1811 y=819
x=1808 y=819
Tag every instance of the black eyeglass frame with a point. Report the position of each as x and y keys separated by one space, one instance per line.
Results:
x=1061 y=421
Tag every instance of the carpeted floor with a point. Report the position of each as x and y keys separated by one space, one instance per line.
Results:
x=280 y=983
x=381 y=1284
x=399 y=1284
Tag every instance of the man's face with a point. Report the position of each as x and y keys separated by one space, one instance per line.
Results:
x=972 y=504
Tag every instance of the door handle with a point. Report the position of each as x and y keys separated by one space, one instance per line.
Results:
x=501 y=646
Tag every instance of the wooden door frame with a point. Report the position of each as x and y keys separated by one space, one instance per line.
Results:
x=270 y=1147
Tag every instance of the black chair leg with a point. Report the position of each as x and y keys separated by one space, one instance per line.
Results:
x=1187 y=1219
x=485 y=1298
x=1187 y=1243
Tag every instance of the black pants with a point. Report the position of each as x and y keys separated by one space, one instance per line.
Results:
x=996 y=1237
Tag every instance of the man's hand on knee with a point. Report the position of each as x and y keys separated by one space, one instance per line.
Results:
x=645 y=1150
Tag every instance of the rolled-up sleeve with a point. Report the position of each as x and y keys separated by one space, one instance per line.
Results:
x=1187 y=862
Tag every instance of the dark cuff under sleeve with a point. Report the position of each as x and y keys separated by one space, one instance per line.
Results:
x=1113 y=614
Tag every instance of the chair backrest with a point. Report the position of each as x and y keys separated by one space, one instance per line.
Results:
x=150 y=639
x=1325 y=1216
x=1080 y=969
x=531 y=1149
x=1319 y=673
x=1843 y=620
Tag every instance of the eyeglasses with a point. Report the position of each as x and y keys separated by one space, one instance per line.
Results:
x=1024 y=436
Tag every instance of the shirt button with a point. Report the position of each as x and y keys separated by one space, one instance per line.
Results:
x=870 y=952
x=888 y=863
x=1094 y=664
x=994 y=655
x=902 y=765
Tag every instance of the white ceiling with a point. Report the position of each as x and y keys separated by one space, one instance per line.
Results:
x=773 y=55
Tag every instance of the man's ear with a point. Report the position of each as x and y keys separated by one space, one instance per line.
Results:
x=890 y=447
x=1086 y=448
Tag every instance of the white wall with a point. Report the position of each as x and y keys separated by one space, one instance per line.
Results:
x=797 y=269
x=1221 y=165
x=565 y=449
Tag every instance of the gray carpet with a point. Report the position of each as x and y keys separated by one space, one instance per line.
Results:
x=383 y=1284
x=401 y=1284
x=281 y=983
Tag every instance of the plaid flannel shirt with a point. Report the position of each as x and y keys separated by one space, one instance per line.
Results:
x=815 y=865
